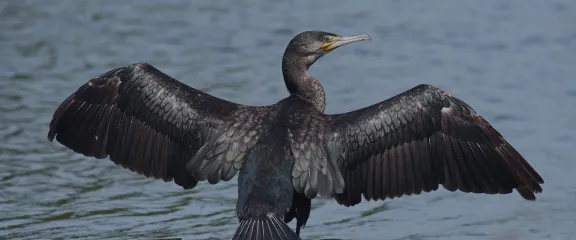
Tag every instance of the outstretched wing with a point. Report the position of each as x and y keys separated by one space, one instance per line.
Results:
x=418 y=140
x=154 y=125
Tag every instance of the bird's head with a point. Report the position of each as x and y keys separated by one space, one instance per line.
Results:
x=309 y=46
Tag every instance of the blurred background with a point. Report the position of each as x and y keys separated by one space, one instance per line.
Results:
x=513 y=61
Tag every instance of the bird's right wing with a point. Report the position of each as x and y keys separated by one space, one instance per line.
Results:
x=420 y=139
x=155 y=125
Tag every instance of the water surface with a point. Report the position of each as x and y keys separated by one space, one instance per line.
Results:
x=513 y=61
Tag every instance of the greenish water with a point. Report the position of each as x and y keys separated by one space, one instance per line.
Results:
x=513 y=61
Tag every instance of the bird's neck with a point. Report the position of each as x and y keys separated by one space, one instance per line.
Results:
x=301 y=84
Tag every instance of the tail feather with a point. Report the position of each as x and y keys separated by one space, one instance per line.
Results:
x=264 y=228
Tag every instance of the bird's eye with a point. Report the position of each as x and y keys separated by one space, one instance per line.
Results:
x=326 y=39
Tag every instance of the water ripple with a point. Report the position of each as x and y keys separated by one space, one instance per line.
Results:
x=512 y=61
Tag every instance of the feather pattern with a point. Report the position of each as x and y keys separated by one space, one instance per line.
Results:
x=405 y=145
x=157 y=126
x=268 y=227
x=418 y=140
x=290 y=152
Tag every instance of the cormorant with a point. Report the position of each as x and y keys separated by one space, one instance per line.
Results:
x=289 y=152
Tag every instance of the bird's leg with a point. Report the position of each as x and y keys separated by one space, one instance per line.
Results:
x=298 y=224
x=298 y=228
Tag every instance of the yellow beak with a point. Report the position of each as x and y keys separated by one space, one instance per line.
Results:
x=337 y=41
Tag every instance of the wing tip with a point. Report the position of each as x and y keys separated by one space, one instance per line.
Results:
x=528 y=180
x=51 y=135
x=527 y=193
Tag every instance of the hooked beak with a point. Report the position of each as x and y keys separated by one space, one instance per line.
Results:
x=336 y=42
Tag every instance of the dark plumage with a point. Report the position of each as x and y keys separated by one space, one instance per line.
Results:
x=290 y=152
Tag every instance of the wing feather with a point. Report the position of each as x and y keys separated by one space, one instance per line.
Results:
x=418 y=140
x=155 y=125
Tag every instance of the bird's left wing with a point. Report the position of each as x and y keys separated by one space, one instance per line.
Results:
x=418 y=140
x=154 y=125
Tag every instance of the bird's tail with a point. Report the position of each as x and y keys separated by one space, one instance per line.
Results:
x=267 y=227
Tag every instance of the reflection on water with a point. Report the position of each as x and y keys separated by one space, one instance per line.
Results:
x=513 y=61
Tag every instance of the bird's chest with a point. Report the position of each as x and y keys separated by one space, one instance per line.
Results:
x=295 y=131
